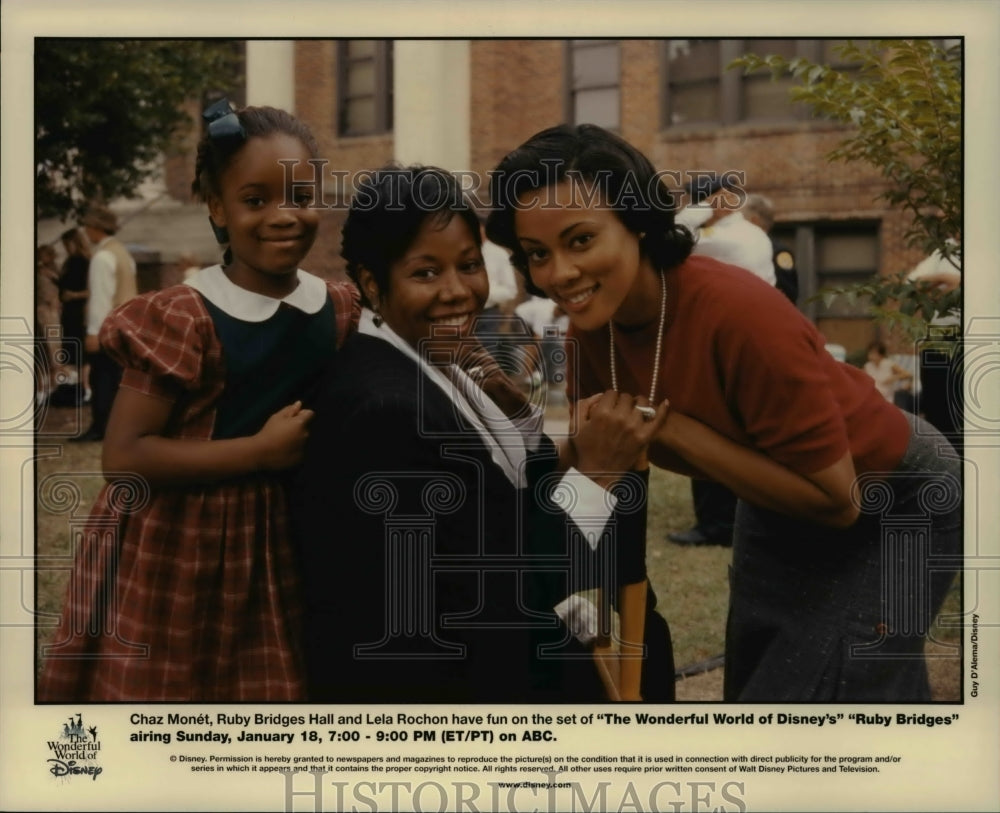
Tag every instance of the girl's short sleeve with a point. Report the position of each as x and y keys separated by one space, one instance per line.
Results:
x=346 y=306
x=161 y=340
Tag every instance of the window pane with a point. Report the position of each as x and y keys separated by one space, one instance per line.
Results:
x=695 y=103
x=767 y=99
x=845 y=258
x=361 y=79
x=847 y=252
x=360 y=115
x=690 y=60
x=364 y=92
x=360 y=48
x=764 y=99
x=600 y=107
x=596 y=65
x=693 y=93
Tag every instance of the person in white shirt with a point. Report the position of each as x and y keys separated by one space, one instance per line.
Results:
x=727 y=236
x=111 y=281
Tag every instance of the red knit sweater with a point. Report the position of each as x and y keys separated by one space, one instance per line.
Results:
x=740 y=358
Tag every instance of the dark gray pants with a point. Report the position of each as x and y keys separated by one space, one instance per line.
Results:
x=819 y=614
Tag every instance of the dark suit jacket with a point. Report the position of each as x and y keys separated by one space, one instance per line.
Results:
x=428 y=576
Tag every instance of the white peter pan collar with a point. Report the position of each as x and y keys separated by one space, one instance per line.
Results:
x=212 y=283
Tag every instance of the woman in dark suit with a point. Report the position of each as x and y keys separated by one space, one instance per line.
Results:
x=438 y=536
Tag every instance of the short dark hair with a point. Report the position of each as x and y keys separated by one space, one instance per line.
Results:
x=389 y=207
x=214 y=155
x=627 y=180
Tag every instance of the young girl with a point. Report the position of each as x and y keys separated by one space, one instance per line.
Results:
x=184 y=588
x=849 y=519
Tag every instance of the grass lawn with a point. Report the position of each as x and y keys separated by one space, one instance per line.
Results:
x=68 y=478
x=691 y=584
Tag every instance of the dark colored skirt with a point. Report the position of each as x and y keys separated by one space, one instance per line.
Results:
x=820 y=614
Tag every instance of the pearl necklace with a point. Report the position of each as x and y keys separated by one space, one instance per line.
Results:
x=648 y=412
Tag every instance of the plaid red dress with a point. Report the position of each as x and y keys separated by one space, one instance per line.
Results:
x=183 y=594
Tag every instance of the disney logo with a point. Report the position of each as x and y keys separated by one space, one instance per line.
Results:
x=60 y=768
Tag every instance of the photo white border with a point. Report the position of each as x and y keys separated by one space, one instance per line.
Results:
x=944 y=768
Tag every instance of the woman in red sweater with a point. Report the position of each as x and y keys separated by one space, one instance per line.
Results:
x=850 y=511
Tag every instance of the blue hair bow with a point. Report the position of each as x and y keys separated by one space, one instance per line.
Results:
x=222 y=122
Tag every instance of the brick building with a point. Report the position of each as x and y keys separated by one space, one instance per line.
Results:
x=463 y=104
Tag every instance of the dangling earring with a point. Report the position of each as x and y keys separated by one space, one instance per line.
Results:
x=377 y=317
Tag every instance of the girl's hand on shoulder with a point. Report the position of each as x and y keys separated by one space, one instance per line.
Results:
x=612 y=435
x=282 y=439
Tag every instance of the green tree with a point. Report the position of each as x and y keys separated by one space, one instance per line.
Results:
x=105 y=110
x=903 y=102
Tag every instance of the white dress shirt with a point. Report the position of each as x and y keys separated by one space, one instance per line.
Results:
x=733 y=240
x=101 y=283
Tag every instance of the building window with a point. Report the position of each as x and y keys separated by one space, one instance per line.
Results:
x=694 y=92
x=763 y=98
x=594 y=86
x=700 y=91
x=364 y=87
x=844 y=255
x=834 y=255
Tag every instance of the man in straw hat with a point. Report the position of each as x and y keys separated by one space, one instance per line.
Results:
x=111 y=281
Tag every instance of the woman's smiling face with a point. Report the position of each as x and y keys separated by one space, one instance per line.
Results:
x=581 y=255
x=440 y=281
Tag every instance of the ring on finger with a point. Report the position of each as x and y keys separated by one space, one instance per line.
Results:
x=647 y=412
